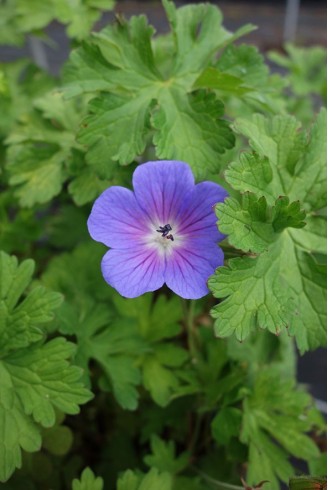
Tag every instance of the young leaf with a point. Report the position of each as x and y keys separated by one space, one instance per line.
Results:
x=88 y=481
x=163 y=456
x=252 y=225
x=226 y=424
x=153 y=479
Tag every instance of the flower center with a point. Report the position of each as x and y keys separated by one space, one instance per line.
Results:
x=165 y=231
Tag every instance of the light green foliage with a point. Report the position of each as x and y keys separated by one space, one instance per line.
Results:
x=42 y=150
x=284 y=285
x=305 y=78
x=163 y=456
x=226 y=424
x=18 y=17
x=43 y=153
x=36 y=377
x=270 y=414
x=306 y=68
x=137 y=481
x=119 y=61
x=19 y=324
x=252 y=225
x=241 y=77
x=20 y=83
x=88 y=481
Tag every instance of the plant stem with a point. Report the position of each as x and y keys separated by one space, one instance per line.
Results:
x=219 y=484
x=192 y=342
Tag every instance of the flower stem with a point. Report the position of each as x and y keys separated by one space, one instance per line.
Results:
x=192 y=340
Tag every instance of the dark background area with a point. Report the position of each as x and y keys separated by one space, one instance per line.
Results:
x=305 y=25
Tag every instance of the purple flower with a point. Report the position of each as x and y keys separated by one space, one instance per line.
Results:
x=163 y=232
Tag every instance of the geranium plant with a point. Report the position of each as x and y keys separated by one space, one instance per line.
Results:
x=163 y=357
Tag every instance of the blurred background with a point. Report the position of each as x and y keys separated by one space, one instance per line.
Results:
x=279 y=21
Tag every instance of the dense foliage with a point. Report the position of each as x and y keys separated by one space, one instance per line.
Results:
x=158 y=392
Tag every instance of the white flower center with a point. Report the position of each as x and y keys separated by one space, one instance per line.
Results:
x=164 y=238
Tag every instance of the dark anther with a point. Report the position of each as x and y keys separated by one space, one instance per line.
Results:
x=164 y=229
x=165 y=232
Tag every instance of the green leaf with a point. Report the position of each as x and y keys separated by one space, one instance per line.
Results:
x=306 y=68
x=297 y=165
x=20 y=323
x=88 y=481
x=58 y=440
x=35 y=15
x=86 y=187
x=255 y=296
x=287 y=215
x=284 y=286
x=193 y=129
x=119 y=62
x=252 y=225
x=116 y=127
x=38 y=174
x=226 y=424
x=215 y=79
x=162 y=362
x=112 y=342
x=241 y=77
x=270 y=412
x=36 y=376
x=42 y=147
x=163 y=456
x=21 y=82
x=153 y=479
x=198 y=34
x=245 y=62
x=39 y=363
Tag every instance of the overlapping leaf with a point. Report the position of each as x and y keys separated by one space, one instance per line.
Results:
x=284 y=286
x=271 y=416
x=137 y=481
x=20 y=18
x=88 y=314
x=241 y=76
x=161 y=364
x=252 y=225
x=43 y=153
x=119 y=62
x=36 y=377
